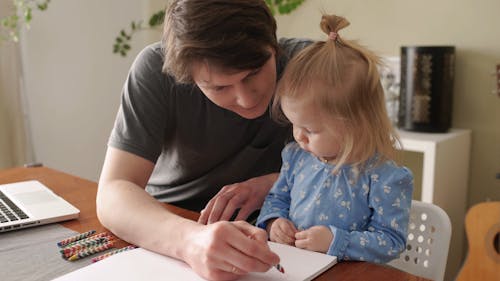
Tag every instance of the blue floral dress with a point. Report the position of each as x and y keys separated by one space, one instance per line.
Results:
x=367 y=211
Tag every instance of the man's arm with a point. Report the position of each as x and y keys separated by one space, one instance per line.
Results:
x=125 y=208
x=219 y=251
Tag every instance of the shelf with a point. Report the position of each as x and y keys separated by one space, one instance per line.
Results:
x=445 y=177
x=441 y=152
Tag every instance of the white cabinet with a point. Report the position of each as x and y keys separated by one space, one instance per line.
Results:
x=445 y=179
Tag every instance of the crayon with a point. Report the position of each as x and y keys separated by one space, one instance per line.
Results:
x=89 y=241
x=83 y=243
x=75 y=238
x=91 y=250
x=280 y=268
x=74 y=249
x=68 y=252
x=101 y=257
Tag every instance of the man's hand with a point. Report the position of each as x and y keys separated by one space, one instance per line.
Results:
x=282 y=231
x=248 y=196
x=227 y=250
x=317 y=238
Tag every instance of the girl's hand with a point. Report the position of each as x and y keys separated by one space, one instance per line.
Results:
x=317 y=238
x=282 y=231
x=247 y=196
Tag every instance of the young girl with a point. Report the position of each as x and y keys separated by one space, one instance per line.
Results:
x=339 y=191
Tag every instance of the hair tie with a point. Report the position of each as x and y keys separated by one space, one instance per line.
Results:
x=332 y=35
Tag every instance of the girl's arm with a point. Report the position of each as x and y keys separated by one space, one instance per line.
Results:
x=277 y=202
x=385 y=236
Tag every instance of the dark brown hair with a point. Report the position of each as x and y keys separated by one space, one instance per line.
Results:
x=341 y=78
x=230 y=34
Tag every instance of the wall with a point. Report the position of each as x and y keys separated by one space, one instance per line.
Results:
x=472 y=26
x=73 y=81
x=14 y=150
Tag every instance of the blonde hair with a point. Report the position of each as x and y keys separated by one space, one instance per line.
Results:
x=342 y=79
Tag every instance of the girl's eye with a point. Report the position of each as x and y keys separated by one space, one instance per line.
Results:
x=308 y=131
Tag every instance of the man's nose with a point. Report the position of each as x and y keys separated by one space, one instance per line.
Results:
x=245 y=97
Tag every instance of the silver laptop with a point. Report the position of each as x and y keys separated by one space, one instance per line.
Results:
x=30 y=203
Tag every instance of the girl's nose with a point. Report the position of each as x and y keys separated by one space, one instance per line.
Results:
x=299 y=135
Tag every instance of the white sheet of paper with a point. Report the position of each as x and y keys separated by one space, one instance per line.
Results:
x=140 y=264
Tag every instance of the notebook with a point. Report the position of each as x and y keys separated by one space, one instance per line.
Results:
x=30 y=203
x=140 y=264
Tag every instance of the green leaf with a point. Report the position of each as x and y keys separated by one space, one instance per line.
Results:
x=42 y=6
x=5 y=22
x=27 y=15
x=157 y=18
x=21 y=16
x=282 y=10
x=153 y=20
x=13 y=22
x=283 y=6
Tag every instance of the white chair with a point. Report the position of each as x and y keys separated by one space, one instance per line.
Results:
x=429 y=233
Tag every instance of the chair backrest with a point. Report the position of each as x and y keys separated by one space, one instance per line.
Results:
x=429 y=233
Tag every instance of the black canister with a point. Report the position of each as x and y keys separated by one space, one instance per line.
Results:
x=426 y=91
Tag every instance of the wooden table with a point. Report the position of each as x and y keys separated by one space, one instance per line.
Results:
x=82 y=194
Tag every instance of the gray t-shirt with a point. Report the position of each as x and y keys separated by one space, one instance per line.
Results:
x=197 y=146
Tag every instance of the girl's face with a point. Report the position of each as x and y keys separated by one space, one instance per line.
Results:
x=314 y=132
x=246 y=93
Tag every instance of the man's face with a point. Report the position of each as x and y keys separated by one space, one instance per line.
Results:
x=246 y=93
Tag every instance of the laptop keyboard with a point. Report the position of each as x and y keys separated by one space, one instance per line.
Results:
x=9 y=211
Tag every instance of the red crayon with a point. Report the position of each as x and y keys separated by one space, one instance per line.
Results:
x=103 y=256
x=91 y=250
x=280 y=268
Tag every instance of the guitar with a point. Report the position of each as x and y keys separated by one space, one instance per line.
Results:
x=482 y=225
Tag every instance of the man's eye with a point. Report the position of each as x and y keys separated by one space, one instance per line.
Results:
x=254 y=72
x=219 y=88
